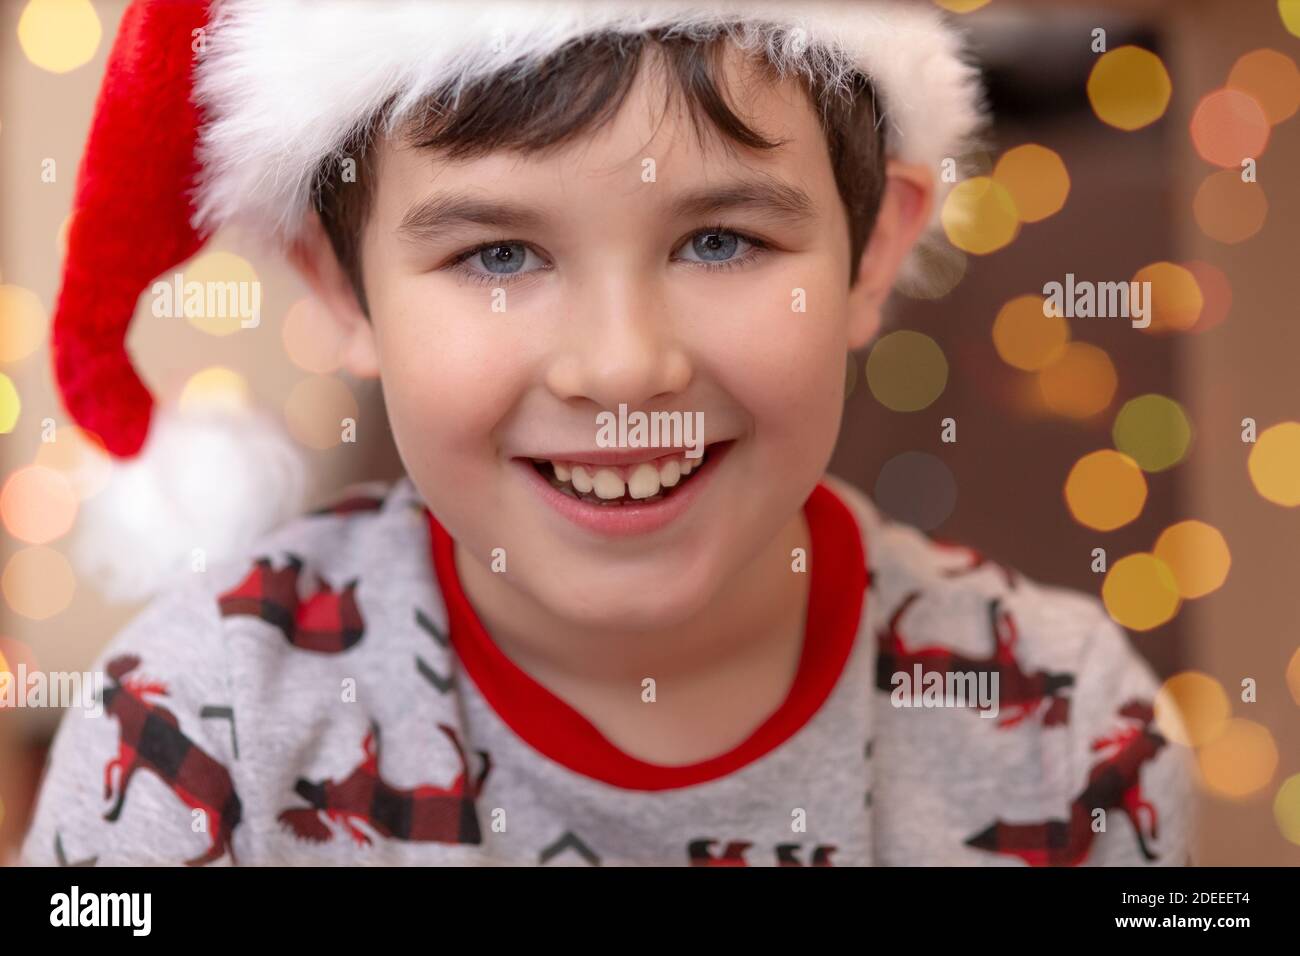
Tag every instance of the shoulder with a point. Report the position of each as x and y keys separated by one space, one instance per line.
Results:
x=1077 y=735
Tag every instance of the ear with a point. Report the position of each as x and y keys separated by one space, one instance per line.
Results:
x=904 y=213
x=312 y=256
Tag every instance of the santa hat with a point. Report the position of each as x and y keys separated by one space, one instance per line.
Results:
x=219 y=112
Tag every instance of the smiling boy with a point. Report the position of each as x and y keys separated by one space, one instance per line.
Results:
x=536 y=649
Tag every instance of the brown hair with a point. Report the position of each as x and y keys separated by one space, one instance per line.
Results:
x=582 y=86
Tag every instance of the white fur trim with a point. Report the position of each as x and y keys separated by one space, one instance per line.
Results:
x=211 y=480
x=284 y=82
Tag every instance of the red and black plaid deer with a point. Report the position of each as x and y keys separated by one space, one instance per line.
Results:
x=1113 y=784
x=327 y=622
x=423 y=814
x=1020 y=693
x=152 y=740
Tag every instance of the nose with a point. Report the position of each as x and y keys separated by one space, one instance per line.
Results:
x=620 y=344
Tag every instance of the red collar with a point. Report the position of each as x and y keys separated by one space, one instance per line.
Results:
x=552 y=727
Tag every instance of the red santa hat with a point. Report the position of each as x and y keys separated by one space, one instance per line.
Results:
x=219 y=112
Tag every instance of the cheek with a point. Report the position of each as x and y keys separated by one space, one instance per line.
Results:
x=784 y=366
x=450 y=373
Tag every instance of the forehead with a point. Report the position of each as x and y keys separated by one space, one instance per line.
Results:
x=654 y=137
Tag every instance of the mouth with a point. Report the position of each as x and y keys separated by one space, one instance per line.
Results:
x=621 y=499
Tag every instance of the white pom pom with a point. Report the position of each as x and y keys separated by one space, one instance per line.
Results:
x=205 y=486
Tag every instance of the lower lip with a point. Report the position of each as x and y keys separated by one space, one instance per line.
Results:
x=625 y=520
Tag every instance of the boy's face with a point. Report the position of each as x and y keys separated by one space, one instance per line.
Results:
x=629 y=275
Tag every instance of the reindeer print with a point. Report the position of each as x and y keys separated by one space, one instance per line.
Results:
x=423 y=814
x=152 y=740
x=1022 y=694
x=1112 y=784
x=326 y=622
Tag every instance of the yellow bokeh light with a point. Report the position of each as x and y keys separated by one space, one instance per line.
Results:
x=22 y=323
x=1154 y=431
x=1037 y=180
x=906 y=371
x=1286 y=808
x=1079 y=384
x=312 y=339
x=1026 y=338
x=215 y=388
x=59 y=35
x=1198 y=556
x=1228 y=209
x=1272 y=79
x=10 y=405
x=1140 y=592
x=1240 y=761
x=979 y=216
x=1129 y=88
x=1176 y=300
x=1274 y=464
x=962 y=6
x=1192 y=708
x=37 y=504
x=220 y=293
x=1289 y=11
x=1105 y=490
x=315 y=411
x=38 y=583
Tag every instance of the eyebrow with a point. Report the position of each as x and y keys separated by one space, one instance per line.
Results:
x=433 y=216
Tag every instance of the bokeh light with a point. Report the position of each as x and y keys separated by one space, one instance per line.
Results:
x=1129 y=88
x=1198 y=556
x=10 y=404
x=1229 y=126
x=1216 y=294
x=228 y=283
x=1289 y=11
x=315 y=409
x=979 y=216
x=1154 y=431
x=906 y=371
x=1037 y=180
x=1079 y=384
x=311 y=337
x=216 y=388
x=1027 y=339
x=1240 y=761
x=59 y=35
x=1105 y=490
x=38 y=582
x=1192 y=708
x=1286 y=808
x=1176 y=301
x=1293 y=676
x=1140 y=592
x=962 y=6
x=1272 y=79
x=1228 y=209
x=916 y=488
x=1274 y=464
x=80 y=456
x=22 y=323
x=37 y=504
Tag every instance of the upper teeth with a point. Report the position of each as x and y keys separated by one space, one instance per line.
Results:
x=643 y=481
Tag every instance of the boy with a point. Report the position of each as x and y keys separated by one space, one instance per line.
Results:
x=536 y=649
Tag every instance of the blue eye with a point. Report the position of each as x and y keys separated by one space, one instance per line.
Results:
x=504 y=258
x=715 y=246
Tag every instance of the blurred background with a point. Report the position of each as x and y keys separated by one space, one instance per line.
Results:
x=1159 y=468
